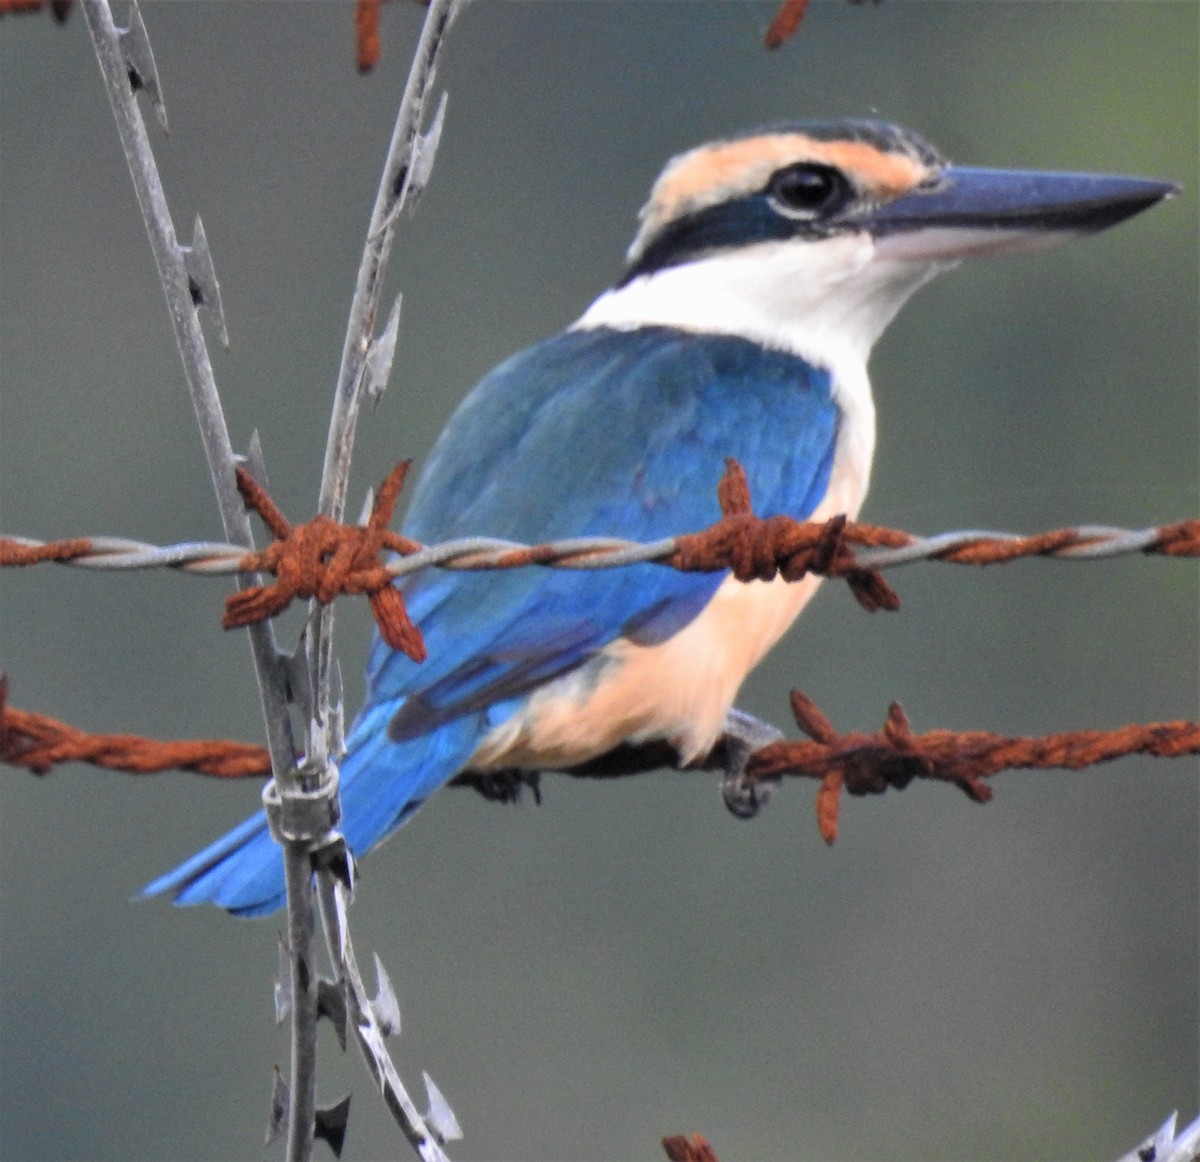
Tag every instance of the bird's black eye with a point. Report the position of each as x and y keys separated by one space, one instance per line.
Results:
x=807 y=191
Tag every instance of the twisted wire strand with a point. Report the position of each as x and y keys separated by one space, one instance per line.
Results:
x=323 y=558
x=213 y=558
x=853 y=762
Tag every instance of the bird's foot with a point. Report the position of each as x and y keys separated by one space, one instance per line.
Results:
x=503 y=786
x=744 y=734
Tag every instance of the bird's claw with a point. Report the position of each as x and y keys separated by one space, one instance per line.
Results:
x=745 y=734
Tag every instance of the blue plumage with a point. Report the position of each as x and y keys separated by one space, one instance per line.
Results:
x=593 y=431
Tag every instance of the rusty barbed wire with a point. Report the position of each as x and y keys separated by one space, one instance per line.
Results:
x=685 y=1148
x=787 y=20
x=860 y=764
x=753 y=547
x=38 y=743
x=59 y=9
x=868 y=764
x=323 y=559
x=368 y=43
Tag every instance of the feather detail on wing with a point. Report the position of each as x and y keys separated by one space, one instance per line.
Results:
x=594 y=431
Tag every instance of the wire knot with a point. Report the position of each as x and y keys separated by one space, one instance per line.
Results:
x=869 y=764
x=322 y=559
x=757 y=548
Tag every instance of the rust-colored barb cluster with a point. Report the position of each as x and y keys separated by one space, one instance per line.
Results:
x=758 y=549
x=323 y=559
x=868 y=764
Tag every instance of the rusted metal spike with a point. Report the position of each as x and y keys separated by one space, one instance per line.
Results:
x=202 y=282
x=139 y=62
x=330 y=1125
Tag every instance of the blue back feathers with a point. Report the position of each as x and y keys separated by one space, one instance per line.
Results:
x=593 y=431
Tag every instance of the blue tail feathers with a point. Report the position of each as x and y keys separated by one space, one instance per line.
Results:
x=382 y=783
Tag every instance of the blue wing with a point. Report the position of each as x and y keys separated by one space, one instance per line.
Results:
x=594 y=431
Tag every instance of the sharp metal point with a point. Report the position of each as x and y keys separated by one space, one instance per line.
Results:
x=385 y=1007
x=377 y=368
x=331 y=1004
x=139 y=62
x=336 y=858
x=367 y=505
x=281 y=1099
x=337 y=714
x=341 y=922
x=202 y=281
x=283 y=983
x=440 y=1117
x=1165 y=1145
x=256 y=465
x=412 y=179
x=424 y=151
x=330 y=1125
x=295 y=670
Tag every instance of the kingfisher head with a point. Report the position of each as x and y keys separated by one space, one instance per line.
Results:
x=811 y=235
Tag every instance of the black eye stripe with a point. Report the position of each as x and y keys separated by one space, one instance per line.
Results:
x=805 y=200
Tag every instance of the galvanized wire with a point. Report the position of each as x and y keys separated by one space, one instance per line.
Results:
x=211 y=558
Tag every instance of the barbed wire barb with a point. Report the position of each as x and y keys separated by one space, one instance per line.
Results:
x=869 y=764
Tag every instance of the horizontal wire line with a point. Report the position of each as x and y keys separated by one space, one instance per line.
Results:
x=597 y=552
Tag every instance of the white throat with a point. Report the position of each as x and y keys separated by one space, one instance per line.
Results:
x=826 y=301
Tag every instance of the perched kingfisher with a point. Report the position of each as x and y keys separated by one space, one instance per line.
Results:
x=765 y=267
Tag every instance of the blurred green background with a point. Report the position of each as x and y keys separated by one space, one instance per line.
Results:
x=950 y=981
